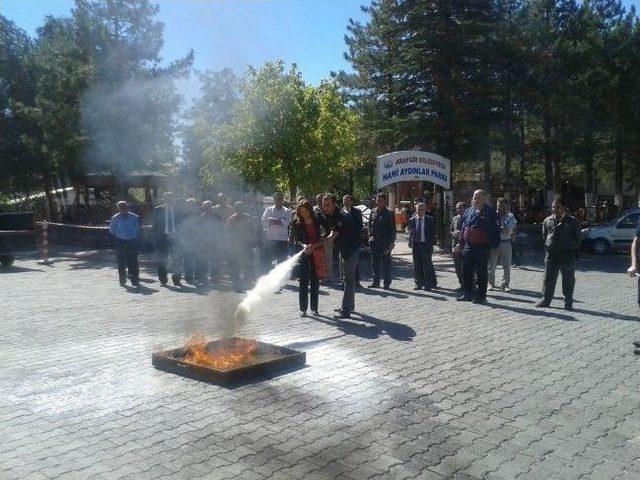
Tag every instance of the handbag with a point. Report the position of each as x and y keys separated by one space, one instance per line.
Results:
x=319 y=265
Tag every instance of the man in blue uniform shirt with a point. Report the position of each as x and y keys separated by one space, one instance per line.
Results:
x=125 y=227
x=480 y=233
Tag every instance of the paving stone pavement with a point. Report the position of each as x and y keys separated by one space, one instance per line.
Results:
x=415 y=386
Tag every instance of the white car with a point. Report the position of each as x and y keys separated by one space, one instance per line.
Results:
x=613 y=236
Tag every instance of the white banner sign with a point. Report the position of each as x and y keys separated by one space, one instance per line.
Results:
x=411 y=166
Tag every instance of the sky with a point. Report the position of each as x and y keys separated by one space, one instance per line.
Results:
x=235 y=33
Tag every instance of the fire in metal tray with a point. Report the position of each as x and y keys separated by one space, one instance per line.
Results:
x=228 y=360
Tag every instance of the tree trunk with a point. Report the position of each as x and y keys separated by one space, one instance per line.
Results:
x=618 y=169
x=589 y=151
x=485 y=157
x=50 y=206
x=506 y=185
x=548 y=163
x=372 y=181
x=523 y=181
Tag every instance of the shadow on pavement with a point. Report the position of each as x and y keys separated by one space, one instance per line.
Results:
x=379 y=292
x=512 y=299
x=608 y=315
x=534 y=312
x=141 y=290
x=396 y=331
x=350 y=328
x=19 y=270
x=311 y=343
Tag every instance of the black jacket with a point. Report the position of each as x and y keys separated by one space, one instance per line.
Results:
x=159 y=222
x=429 y=227
x=348 y=239
x=298 y=233
x=561 y=236
x=357 y=218
x=383 y=229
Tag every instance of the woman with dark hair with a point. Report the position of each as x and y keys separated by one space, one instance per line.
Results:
x=306 y=233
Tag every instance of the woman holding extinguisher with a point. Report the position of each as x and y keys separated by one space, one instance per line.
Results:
x=307 y=233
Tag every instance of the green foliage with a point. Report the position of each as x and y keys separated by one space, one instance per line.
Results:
x=464 y=78
x=276 y=131
x=88 y=92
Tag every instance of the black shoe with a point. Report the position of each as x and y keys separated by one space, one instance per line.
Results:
x=480 y=301
x=358 y=285
x=343 y=314
x=636 y=344
x=315 y=313
x=418 y=287
x=543 y=304
x=123 y=283
x=428 y=289
x=386 y=287
x=464 y=298
x=374 y=285
x=136 y=284
x=568 y=306
x=176 y=280
x=303 y=314
x=636 y=351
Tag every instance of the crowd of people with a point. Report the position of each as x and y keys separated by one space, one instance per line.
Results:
x=198 y=243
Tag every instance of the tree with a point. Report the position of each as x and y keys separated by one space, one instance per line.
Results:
x=18 y=162
x=130 y=112
x=204 y=132
x=282 y=133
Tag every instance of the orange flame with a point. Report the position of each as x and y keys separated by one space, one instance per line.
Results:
x=233 y=353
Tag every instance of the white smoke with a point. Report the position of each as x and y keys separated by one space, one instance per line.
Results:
x=266 y=286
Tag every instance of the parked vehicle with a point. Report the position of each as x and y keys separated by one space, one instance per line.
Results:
x=17 y=234
x=612 y=236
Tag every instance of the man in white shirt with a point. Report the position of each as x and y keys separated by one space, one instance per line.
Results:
x=275 y=221
x=502 y=254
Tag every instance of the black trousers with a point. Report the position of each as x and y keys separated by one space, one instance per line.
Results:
x=423 y=272
x=241 y=262
x=309 y=284
x=277 y=250
x=209 y=263
x=381 y=266
x=190 y=262
x=457 y=264
x=168 y=249
x=127 y=259
x=564 y=263
x=474 y=267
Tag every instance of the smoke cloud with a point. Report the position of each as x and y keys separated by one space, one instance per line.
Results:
x=265 y=286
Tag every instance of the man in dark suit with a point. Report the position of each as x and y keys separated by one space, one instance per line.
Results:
x=347 y=207
x=382 y=237
x=421 y=239
x=166 y=222
x=347 y=240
